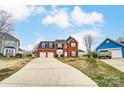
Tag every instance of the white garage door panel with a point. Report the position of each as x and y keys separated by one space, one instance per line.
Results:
x=116 y=53
x=43 y=54
x=50 y=55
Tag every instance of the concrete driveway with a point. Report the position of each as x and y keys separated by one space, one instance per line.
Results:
x=116 y=63
x=48 y=72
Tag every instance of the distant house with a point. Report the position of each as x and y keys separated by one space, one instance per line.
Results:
x=116 y=48
x=58 y=48
x=9 y=45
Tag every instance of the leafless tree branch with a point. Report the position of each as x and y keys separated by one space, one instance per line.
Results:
x=6 y=22
x=89 y=41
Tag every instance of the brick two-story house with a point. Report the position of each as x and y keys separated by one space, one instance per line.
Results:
x=58 y=48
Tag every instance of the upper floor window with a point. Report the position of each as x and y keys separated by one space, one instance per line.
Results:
x=59 y=45
x=73 y=44
x=50 y=45
x=43 y=45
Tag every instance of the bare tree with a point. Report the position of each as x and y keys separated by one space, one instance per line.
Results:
x=121 y=39
x=6 y=22
x=89 y=41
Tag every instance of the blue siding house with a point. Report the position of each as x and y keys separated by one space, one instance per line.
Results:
x=116 y=48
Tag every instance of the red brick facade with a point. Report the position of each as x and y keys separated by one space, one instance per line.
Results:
x=66 y=48
x=69 y=48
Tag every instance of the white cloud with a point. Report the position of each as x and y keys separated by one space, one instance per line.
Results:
x=37 y=41
x=83 y=18
x=57 y=17
x=76 y=17
x=22 y=12
x=79 y=37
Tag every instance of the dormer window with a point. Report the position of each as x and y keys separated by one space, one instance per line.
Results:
x=73 y=44
x=43 y=45
x=51 y=45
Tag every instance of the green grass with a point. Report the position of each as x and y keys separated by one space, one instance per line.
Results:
x=103 y=74
x=8 y=71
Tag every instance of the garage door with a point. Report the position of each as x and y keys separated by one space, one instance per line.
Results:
x=50 y=55
x=116 y=53
x=43 y=54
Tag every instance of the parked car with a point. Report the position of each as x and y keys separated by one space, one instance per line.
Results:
x=104 y=54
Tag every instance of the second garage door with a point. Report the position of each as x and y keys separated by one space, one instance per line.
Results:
x=43 y=54
x=50 y=54
x=116 y=53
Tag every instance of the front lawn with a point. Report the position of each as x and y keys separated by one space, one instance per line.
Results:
x=103 y=74
x=9 y=66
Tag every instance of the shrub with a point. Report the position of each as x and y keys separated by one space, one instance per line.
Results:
x=19 y=55
x=94 y=55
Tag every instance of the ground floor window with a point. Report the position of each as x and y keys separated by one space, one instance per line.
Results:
x=73 y=53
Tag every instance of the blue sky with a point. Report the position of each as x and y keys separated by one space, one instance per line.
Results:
x=36 y=23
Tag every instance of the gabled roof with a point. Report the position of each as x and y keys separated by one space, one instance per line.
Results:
x=110 y=40
x=46 y=42
x=69 y=39
x=9 y=35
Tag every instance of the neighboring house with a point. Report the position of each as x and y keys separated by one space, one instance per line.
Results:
x=81 y=52
x=21 y=51
x=116 y=48
x=9 y=45
x=58 y=48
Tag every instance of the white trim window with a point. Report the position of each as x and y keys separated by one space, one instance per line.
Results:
x=59 y=45
x=50 y=45
x=43 y=45
x=73 y=44
x=73 y=53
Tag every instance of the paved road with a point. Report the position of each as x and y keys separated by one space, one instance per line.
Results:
x=48 y=72
x=116 y=63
